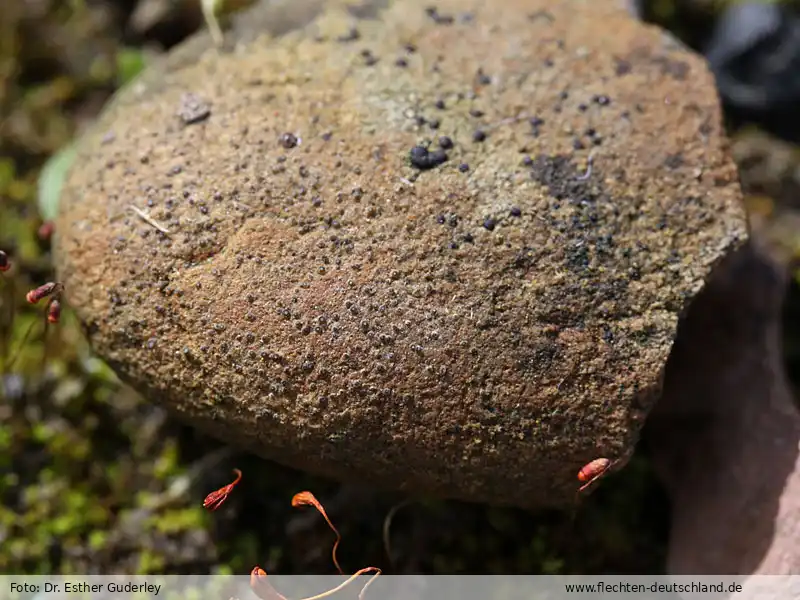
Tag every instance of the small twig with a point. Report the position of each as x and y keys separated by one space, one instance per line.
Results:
x=589 y=162
x=210 y=16
x=507 y=121
x=148 y=219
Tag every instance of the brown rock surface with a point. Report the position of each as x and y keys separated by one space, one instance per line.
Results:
x=478 y=329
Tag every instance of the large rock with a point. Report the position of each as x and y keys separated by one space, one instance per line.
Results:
x=339 y=301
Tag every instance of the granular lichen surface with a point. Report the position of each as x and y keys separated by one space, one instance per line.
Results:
x=440 y=249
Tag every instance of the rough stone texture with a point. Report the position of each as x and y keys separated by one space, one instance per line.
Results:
x=726 y=434
x=479 y=329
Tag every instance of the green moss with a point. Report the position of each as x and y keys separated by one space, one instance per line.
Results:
x=130 y=62
x=150 y=562
x=97 y=540
x=167 y=464
x=175 y=521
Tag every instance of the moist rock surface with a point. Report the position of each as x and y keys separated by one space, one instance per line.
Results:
x=438 y=249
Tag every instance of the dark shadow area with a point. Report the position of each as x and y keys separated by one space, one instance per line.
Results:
x=725 y=434
x=791 y=333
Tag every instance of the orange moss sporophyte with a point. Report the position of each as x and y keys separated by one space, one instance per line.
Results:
x=308 y=499
x=45 y=231
x=50 y=288
x=215 y=499
x=258 y=576
x=53 y=290
x=592 y=471
x=52 y=313
x=263 y=588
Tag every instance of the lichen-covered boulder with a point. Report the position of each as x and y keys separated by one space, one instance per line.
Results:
x=439 y=249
